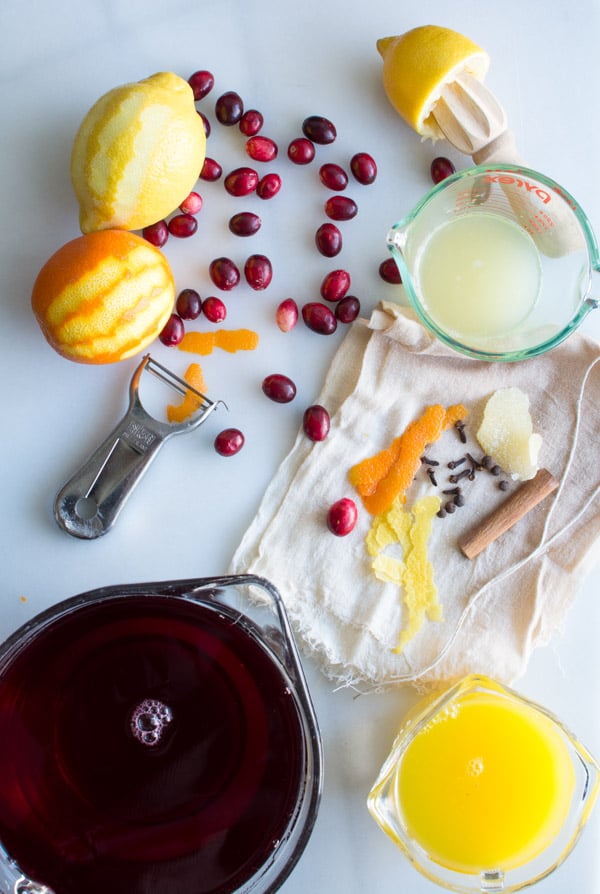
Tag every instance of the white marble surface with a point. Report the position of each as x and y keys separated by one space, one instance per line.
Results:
x=288 y=59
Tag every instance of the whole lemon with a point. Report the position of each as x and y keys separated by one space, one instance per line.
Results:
x=137 y=154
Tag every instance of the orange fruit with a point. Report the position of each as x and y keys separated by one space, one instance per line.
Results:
x=103 y=296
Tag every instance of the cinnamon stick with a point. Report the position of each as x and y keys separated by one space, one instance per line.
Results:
x=529 y=494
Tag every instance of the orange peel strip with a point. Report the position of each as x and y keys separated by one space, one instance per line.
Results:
x=230 y=340
x=191 y=402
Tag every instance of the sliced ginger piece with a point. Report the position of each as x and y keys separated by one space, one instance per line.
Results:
x=506 y=433
x=230 y=340
x=191 y=402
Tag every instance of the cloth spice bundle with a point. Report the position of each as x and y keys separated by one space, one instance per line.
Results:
x=493 y=610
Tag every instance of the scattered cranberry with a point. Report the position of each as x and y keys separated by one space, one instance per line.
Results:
x=182 y=225
x=251 y=122
x=211 y=170
x=224 y=274
x=363 y=168
x=335 y=285
x=214 y=309
x=441 y=168
x=173 y=331
x=188 y=304
x=301 y=151
x=318 y=129
x=268 y=186
x=342 y=517
x=157 y=233
x=333 y=177
x=286 y=315
x=319 y=318
x=279 y=388
x=341 y=208
x=347 y=309
x=328 y=240
x=192 y=205
x=241 y=181
x=245 y=223
x=388 y=271
x=229 y=442
x=316 y=423
x=258 y=272
x=261 y=148
x=201 y=83
x=229 y=108
x=206 y=123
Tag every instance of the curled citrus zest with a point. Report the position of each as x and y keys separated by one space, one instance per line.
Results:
x=230 y=340
x=191 y=402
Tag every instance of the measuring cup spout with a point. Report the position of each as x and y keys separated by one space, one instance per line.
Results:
x=396 y=237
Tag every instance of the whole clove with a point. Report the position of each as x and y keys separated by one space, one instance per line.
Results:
x=431 y=476
x=429 y=462
x=454 y=479
x=454 y=463
x=459 y=425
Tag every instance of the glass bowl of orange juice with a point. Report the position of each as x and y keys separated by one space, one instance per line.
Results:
x=484 y=790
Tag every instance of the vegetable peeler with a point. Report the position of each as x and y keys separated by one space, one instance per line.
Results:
x=88 y=505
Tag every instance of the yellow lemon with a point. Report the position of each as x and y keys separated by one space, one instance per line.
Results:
x=417 y=65
x=137 y=154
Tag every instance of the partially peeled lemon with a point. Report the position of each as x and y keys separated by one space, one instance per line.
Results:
x=137 y=154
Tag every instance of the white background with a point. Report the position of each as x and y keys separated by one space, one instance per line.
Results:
x=290 y=60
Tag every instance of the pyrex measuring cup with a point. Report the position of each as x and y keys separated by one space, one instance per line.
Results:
x=497 y=262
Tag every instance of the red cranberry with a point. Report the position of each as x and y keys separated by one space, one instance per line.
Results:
x=214 y=309
x=319 y=318
x=173 y=331
x=192 y=205
x=342 y=517
x=206 y=123
x=229 y=442
x=286 y=314
x=388 y=271
x=341 y=208
x=441 y=168
x=229 y=108
x=258 y=272
x=211 y=170
x=241 y=182
x=301 y=151
x=261 y=148
x=328 y=240
x=157 y=233
x=347 y=309
x=224 y=274
x=279 y=388
x=201 y=83
x=245 y=223
x=335 y=285
x=182 y=225
x=363 y=168
x=188 y=304
x=333 y=177
x=318 y=129
x=316 y=423
x=251 y=122
x=268 y=186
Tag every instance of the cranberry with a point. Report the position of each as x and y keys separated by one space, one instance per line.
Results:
x=301 y=151
x=157 y=233
x=318 y=129
x=182 y=225
x=388 y=271
x=205 y=122
x=333 y=177
x=363 y=168
x=258 y=272
x=173 y=331
x=335 y=285
x=347 y=309
x=224 y=274
x=286 y=314
x=192 y=205
x=319 y=318
x=251 y=122
x=341 y=208
x=279 y=388
x=188 y=304
x=229 y=108
x=316 y=423
x=241 y=181
x=214 y=309
x=229 y=441
x=441 y=168
x=342 y=517
x=268 y=186
x=201 y=83
x=211 y=170
x=261 y=148
x=245 y=223
x=328 y=240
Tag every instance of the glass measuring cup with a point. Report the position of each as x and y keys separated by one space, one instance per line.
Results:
x=497 y=262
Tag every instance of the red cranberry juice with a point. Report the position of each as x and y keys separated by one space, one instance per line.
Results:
x=147 y=744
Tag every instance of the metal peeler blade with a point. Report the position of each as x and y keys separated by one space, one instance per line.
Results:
x=88 y=505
